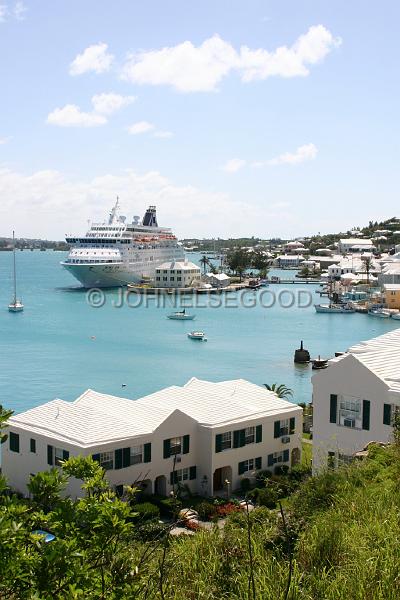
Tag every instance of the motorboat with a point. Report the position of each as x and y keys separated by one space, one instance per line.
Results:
x=334 y=308
x=181 y=315
x=379 y=312
x=15 y=304
x=396 y=316
x=197 y=335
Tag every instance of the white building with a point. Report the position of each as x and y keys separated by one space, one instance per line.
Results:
x=359 y=244
x=217 y=431
x=288 y=260
x=177 y=274
x=355 y=399
x=218 y=280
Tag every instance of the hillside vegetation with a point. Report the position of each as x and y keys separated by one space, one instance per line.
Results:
x=337 y=537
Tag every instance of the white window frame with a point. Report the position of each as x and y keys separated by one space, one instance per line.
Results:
x=284 y=426
x=58 y=456
x=249 y=435
x=182 y=474
x=106 y=460
x=226 y=440
x=174 y=444
x=350 y=410
x=278 y=457
x=136 y=454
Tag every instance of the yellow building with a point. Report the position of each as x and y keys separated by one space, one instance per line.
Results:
x=392 y=295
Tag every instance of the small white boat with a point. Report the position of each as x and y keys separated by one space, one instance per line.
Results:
x=197 y=335
x=334 y=308
x=15 y=305
x=396 y=316
x=181 y=315
x=379 y=312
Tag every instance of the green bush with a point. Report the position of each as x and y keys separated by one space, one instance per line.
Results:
x=245 y=484
x=206 y=510
x=170 y=507
x=150 y=531
x=147 y=511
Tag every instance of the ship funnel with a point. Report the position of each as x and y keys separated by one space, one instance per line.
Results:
x=150 y=218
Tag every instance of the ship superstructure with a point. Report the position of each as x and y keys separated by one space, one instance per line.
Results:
x=115 y=253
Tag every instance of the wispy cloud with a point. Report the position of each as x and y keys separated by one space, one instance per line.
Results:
x=190 y=68
x=233 y=165
x=12 y=11
x=302 y=154
x=141 y=127
x=104 y=105
x=163 y=134
x=20 y=10
x=93 y=58
x=4 y=140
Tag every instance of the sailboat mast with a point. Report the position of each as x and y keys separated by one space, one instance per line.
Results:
x=15 y=274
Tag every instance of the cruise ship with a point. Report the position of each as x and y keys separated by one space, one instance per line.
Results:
x=115 y=253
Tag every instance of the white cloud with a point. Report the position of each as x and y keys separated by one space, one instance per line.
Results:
x=163 y=134
x=4 y=140
x=190 y=68
x=94 y=58
x=72 y=116
x=37 y=202
x=3 y=12
x=302 y=154
x=106 y=104
x=20 y=10
x=233 y=165
x=141 y=127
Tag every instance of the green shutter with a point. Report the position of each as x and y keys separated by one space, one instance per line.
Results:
x=186 y=443
x=218 y=442
x=270 y=460
x=277 y=429
x=258 y=434
x=118 y=458
x=96 y=457
x=173 y=477
x=167 y=448
x=192 y=473
x=387 y=414
x=126 y=457
x=285 y=455
x=33 y=445
x=242 y=438
x=147 y=453
x=14 y=441
x=258 y=463
x=241 y=468
x=236 y=438
x=50 y=455
x=333 y=409
x=366 y=414
x=292 y=425
x=65 y=455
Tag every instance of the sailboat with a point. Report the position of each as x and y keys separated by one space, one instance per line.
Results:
x=16 y=305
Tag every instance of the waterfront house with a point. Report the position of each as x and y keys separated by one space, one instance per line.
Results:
x=218 y=280
x=392 y=295
x=177 y=274
x=287 y=261
x=355 y=399
x=201 y=434
x=356 y=244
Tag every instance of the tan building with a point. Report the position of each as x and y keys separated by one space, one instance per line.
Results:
x=177 y=274
x=392 y=295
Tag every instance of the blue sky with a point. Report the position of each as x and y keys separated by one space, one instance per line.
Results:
x=223 y=130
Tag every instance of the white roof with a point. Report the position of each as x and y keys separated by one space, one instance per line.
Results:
x=95 y=418
x=219 y=276
x=381 y=355
x=356 y=241
x=392 y=287
x=184 y=265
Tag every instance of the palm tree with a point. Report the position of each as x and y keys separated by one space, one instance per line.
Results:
x=204 y=261
x=280 y=390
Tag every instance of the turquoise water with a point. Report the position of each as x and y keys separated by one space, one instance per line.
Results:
x=60 y=346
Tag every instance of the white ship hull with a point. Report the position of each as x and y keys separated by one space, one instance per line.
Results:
x=104 y=276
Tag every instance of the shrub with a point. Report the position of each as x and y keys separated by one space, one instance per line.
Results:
x=267 y=497
x=150 y=530
x=261 y=476
x=169 y=507
x=281 y=470
x=147 y=511
x=245 y=484
x=226 y=509
x=192 y=525
x=206 y=510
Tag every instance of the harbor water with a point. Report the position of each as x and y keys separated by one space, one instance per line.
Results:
x=60 y=345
